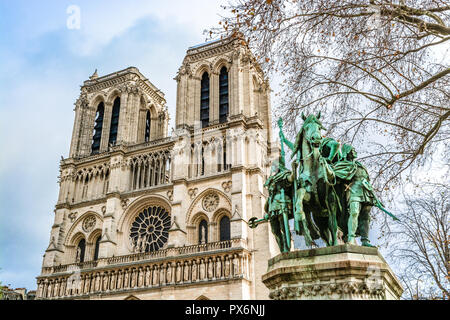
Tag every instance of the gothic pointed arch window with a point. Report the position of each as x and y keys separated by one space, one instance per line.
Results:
x=114 y=122
x=204 y=100
x=97 y=247
x=203 y=232
x=81 y=249
x=147 y=126
x=223 y=95
x=225 y=228
x=98 y=126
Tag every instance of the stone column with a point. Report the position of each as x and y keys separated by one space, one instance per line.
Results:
x=108 y=241
x=344 y=272
x=74 y=145
x=126 y=102
x=104 y=146
x=214 y=98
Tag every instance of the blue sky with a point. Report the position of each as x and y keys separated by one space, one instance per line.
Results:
x=43 y=64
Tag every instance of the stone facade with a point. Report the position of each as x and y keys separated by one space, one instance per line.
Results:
x=151 y=216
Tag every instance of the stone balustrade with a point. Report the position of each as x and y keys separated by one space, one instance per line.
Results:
x=216 y=261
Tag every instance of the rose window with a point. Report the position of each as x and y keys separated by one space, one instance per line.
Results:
x=150 y=230
x=211 y=201
x=89 y=223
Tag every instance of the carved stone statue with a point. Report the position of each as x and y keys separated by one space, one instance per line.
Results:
x=218 y=267
x=186 y=271
x=126 y=279
x=202 y=270
x=178 y=273
x=169 y=273
x=97 y=282
x=203 y=234
x=155 y=275
x=194 y=271
x=119 y=281
x=113 y=280
x=148 y=274
x=227 y=266
x=162 y=275
x=210 y=268
x=78 y=255
x=105 y=281
x=235 y=265
x=133 y=278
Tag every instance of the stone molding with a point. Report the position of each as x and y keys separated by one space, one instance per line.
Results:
x=344 y=272
x=228 y=260
x=360 y=290
x=130 y=74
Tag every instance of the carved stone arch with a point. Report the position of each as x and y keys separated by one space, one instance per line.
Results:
x=77 y=223
x=220 y=62
x=217 y=217
x=72 y=244
x=203 y=67
x=91 y=243
x=129 y=217
x=143 y=100
x=153 y=111
x=93 y=235
x=153 y=156
x=219 y=213
x=198 y=144
x=139 y=204
x=112 y=94
x=199 y=216
x=193 y=234
x=95 y=101
x=76 y=238
x=200 y=197
x=102 y=169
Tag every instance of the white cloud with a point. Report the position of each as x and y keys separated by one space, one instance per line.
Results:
x=101 y=23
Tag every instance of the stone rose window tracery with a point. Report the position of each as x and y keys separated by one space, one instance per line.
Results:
x=89 y=223
x=211 y=201
x=150 y=230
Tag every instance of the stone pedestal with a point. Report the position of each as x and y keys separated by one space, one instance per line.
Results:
x=344 y=272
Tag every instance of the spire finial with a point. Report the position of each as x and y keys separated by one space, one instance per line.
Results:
x=94 y=75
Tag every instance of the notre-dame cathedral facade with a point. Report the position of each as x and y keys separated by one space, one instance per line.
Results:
x=145 y=215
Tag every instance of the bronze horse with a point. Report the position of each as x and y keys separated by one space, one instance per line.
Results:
x=315 y=201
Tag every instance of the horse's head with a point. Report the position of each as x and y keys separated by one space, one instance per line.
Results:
x=311 y=129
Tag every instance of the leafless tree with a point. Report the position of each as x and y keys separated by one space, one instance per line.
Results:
x=376 y=68
x=420 y=243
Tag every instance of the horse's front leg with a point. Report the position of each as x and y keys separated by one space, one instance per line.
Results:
x=332 y=220
x=300 y=217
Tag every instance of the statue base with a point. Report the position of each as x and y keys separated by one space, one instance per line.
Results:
x=344 y=272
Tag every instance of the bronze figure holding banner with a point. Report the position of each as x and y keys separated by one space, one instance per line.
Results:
x=326 y=190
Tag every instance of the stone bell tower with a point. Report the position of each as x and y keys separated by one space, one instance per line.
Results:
x=223 y=143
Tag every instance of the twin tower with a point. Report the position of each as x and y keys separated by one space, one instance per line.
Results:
x=145 y=215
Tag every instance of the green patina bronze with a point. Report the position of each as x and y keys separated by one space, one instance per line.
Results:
x=327 y=190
